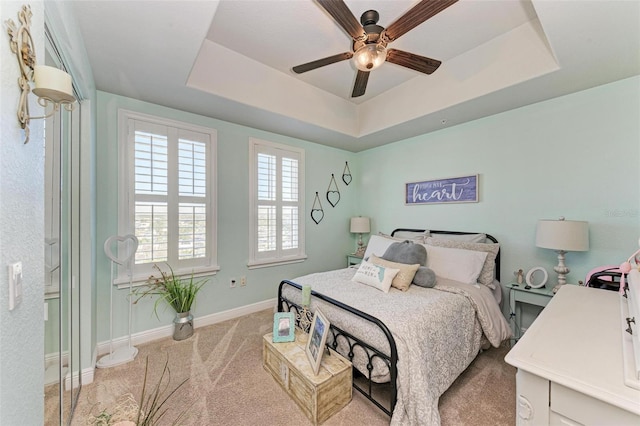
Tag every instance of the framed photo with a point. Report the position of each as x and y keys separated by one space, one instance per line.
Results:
x=283 y=327
x=462 y=189
x=317 y=339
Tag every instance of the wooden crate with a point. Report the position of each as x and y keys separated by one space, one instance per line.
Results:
x=318 y=396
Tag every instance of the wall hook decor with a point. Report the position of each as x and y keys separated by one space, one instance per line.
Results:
x=317 y=214
x=346 y=174
x=52 y=85
x=333 y=193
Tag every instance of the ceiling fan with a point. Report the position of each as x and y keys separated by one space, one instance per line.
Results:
x=369 y=48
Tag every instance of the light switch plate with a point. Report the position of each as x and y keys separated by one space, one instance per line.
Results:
x=15 y=285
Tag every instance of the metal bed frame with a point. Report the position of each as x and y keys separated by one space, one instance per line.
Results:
x=391 y=359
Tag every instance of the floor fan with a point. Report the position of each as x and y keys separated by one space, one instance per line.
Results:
x=128 y=353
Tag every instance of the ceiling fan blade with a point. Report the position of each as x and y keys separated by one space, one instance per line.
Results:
x=413 y=61
x=416 y=16
x=340 y=12
x=299 y=69
x=361 y=84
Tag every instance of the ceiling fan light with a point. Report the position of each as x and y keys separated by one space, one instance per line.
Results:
x=370 y=57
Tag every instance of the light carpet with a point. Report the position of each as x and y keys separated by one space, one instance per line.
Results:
x=227 y=384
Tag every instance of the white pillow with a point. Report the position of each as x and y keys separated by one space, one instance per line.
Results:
x=487 y=275
x=378 y=244
x=456 y=264
x=375 y=275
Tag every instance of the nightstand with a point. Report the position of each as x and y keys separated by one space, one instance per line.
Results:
x=518 y=295
x=353 y=259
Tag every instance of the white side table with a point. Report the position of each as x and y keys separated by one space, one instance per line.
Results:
x=353 y=259
x=518 y=295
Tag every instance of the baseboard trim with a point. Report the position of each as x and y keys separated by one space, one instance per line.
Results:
x=167 y=330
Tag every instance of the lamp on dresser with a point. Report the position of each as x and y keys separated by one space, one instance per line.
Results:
x=562 y=236
x=360 y=225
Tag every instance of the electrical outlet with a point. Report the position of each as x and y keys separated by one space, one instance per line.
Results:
x=243 y=281
x=233 y=283
x=15 y=285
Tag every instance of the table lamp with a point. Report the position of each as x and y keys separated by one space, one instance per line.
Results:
x=360 y=225
x=562 y=236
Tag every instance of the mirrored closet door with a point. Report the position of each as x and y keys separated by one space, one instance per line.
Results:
x=63 y=379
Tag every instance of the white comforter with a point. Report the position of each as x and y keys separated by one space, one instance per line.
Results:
x=437 y=332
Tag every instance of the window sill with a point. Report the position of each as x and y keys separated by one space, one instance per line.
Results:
x=139 y=280
x=256 y=264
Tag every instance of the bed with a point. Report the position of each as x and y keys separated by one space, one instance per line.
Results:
x=407 y=347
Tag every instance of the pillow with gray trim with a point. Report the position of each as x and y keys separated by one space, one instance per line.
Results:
x=488 y=269
x=470 y=238
x=415 y=236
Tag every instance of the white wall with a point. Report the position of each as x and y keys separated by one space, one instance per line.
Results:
x=21 y=237
x=574 y=156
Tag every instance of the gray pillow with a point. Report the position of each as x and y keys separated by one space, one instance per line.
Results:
x=424 y=277
x=406 y=252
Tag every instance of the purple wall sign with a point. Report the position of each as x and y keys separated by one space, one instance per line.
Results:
x=452 y=190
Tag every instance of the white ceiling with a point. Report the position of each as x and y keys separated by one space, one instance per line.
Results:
x=232 y=60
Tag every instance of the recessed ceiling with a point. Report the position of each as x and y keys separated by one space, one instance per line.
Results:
x=282 y=34
x=232 y=60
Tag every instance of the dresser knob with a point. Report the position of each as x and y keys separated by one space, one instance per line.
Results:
x=525 y=410
x=629 y=321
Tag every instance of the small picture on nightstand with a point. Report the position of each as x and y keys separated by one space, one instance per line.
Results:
x=531 y=282
x=283 y=327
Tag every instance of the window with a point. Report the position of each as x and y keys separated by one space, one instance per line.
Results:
x=167 y=193
x=277 y=204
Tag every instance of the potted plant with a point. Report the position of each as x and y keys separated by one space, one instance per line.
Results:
x=151 y=408
x=179 y=293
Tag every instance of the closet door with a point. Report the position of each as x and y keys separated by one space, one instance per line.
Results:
x=63 y=378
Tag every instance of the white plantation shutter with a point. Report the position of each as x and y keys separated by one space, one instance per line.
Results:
x=289 y=203
x=151 y=188
x=276 y=228
x=267 y=225
x=192 y=193
x=169 y=187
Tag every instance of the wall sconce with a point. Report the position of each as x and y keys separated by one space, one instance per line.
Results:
x=52 y=85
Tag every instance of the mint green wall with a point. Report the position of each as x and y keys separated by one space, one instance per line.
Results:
x=574 y=156
x=326 y=243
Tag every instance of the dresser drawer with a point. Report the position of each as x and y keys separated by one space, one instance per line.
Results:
x=580 y=409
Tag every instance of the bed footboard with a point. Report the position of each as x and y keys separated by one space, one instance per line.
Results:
x=339 y=335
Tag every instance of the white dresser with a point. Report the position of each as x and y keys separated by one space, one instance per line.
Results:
x=570 y=363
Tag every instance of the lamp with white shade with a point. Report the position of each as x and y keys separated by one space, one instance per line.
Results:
x=562 y=236
x=360 y=225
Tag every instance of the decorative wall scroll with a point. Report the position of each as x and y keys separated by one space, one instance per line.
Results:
x=333 y=193
x=346 y=174
x=462 y=189
x=317 y=214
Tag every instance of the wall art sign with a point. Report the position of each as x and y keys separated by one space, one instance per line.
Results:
x=462 y=189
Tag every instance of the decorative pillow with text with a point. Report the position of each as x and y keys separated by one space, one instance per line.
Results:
x=375 y=276
x=403 y=280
